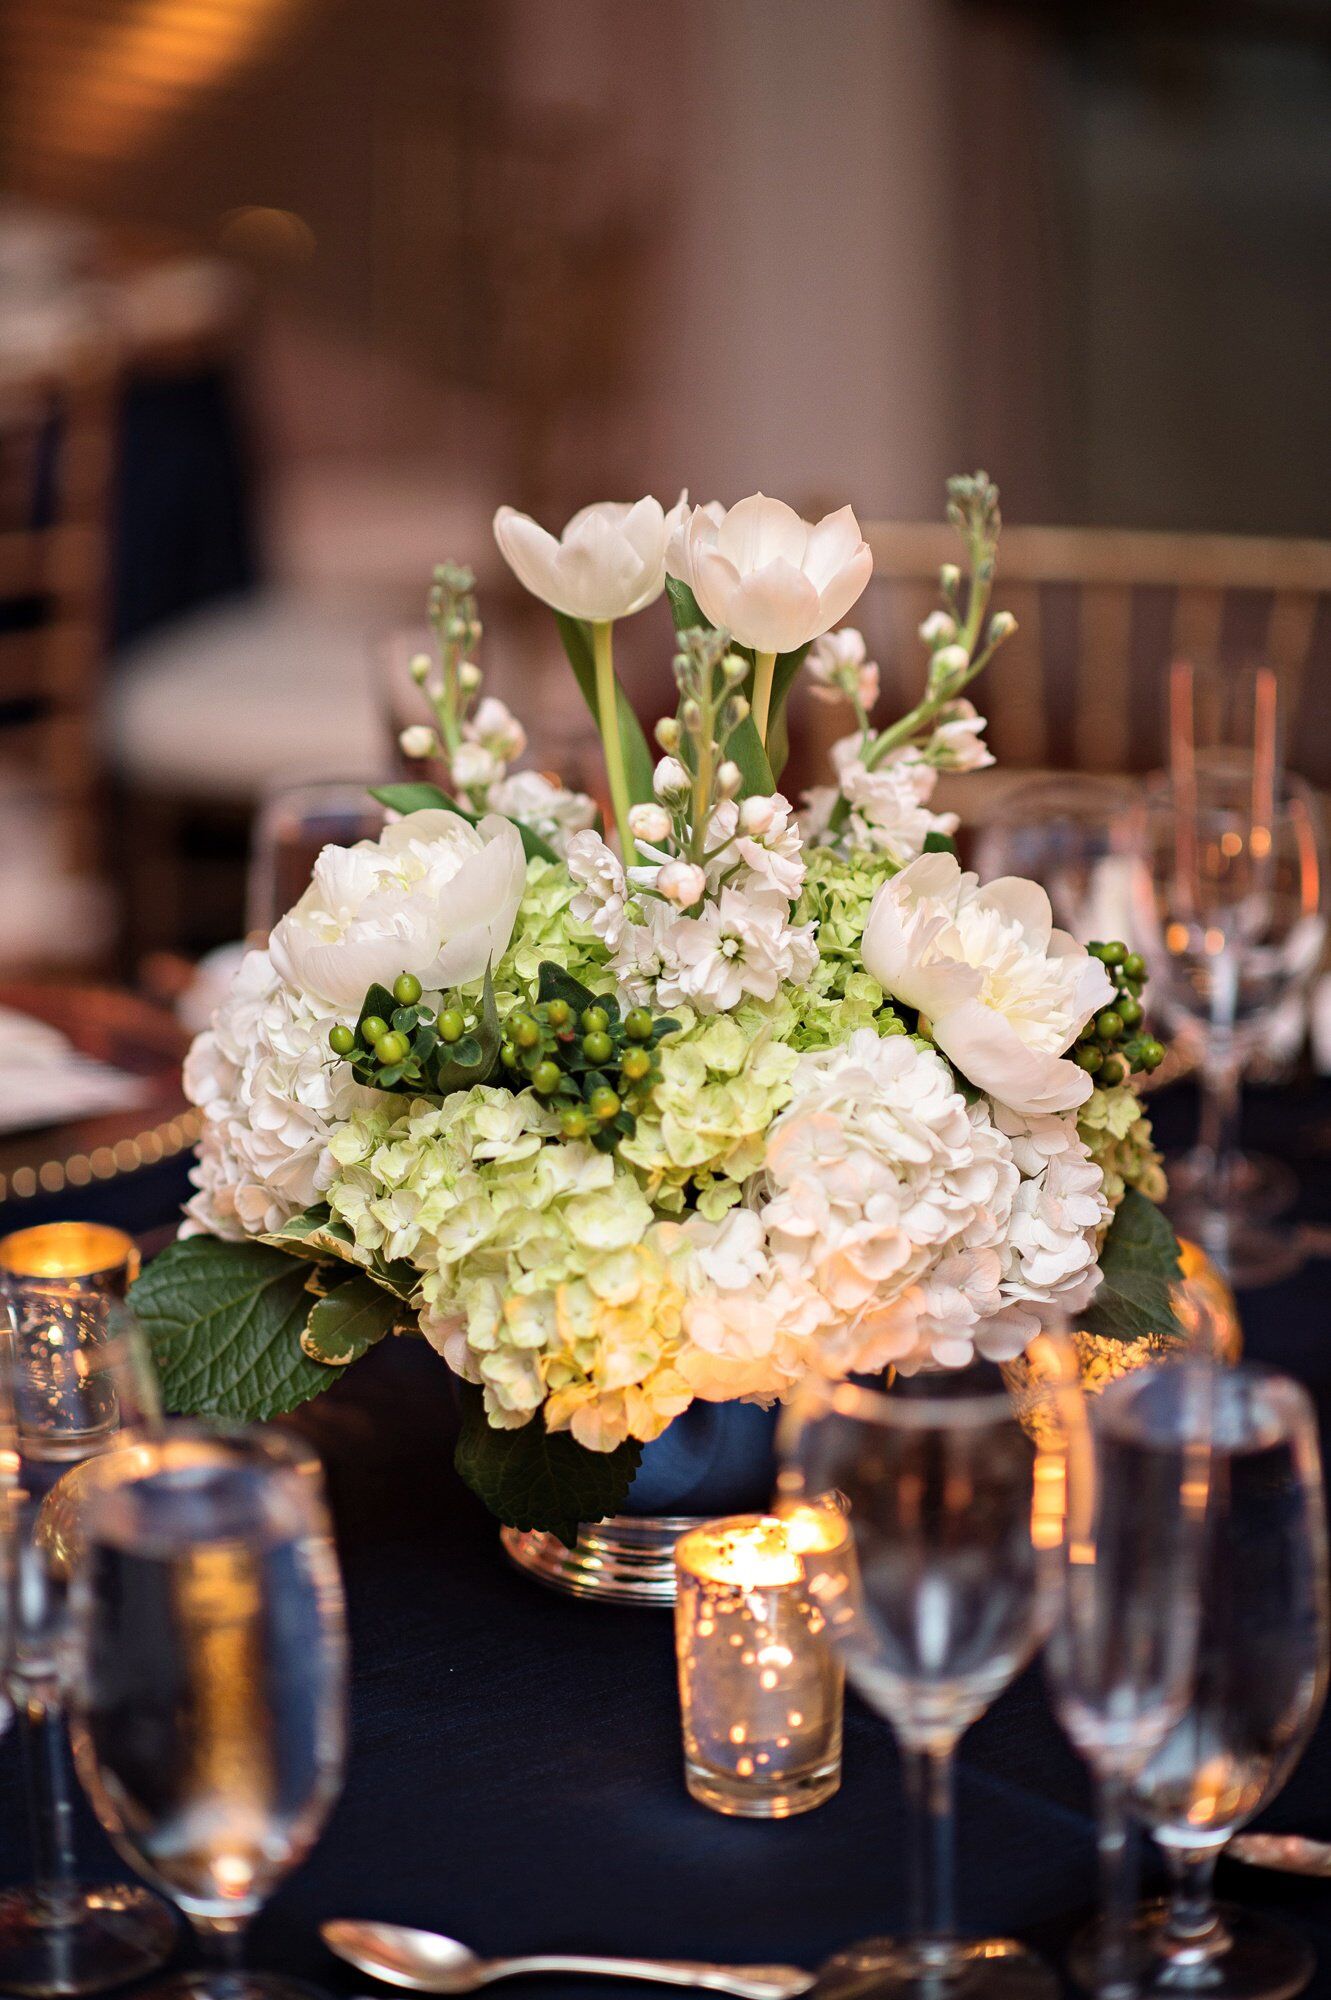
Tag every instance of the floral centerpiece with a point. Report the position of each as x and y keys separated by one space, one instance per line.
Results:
x=681 y=1109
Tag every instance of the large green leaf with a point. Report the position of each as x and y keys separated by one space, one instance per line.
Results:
x=1139 y=1265
x=784 y=675
x=639 y=764
x=421 y=797
x=348 y=1322
x=316 y=1233
x=685 y=608
x=224 y=1321
x=538 y=1479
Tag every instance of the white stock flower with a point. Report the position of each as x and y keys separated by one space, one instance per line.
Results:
x=681 y=883
x=418 y=740
x=890 y=1196
x=889 y=805
x=271 y=1095
x=767 y=842
x=737 y=944
x=473 y=767
x=608 y=563
x=838 y=662
x=649 y=822
x=603 y=887
x=670 y=780
x=1004 y=993
x=432 y=896
x=773 y=580
x=495 y=725
x=957 y=742
x=938 y=629
x=548 y=809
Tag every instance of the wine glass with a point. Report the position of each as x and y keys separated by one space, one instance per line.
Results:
x=1228 y=904
x=951 y=1594
x=1065 y=834
x=208 y=1668
x=1122 y=1653
x=293 y=825
x=76 y=1369
x=1260 y=1683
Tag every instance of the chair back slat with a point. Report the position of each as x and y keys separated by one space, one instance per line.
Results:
x=1198 y=616
x=1289 y=638
x=1014 y=699
x=1103 y=719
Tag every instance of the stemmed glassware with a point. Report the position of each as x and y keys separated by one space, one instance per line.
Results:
x=208 y=1668
x=1228 y=902
x=76 y=1371
x=1260 y=1683
x=954 y=1591
x=1122 y=1653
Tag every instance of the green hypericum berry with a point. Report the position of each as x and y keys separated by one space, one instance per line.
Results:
x=1115 y=1071
x=1109 y=1025
x=597 y=1046
x=374 y=1029
x=1114 y=952
x=636 y=1064
x=452 y=1025
x=595 y=1020
x=557 y=1013
x=392 y=1048
x=1129 y=1010
x=604 y=1104
x=545 y=1077
x=341 y=1041
x=508 y=1055
x=406 y=989
x=638 y=1024
x=574 y=1124
x=1088 y=1056
x=1134 y=966
x=1153 y=1054
x=525 y=1032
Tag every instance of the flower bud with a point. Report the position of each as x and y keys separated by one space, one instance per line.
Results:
x=469 y=676
x=473 y=766
x=729 y=778
x=670 y=780
x=456 y=629
x=667 y=733
x=1001 y=626
x=649 y=822
x=691 y=716
x=938 y=629
x=758 y=815
x=419 y=668
x=948 y=664
x=418 y=740
x=949 y=579
x=734 y=668
x=681 y=883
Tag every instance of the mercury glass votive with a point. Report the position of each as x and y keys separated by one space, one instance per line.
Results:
x=62 y=1283
x=760 y=1685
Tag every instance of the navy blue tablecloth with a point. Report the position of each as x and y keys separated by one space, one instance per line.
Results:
x=515 y=1776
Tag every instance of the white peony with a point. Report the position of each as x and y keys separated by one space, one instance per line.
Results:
x=608 y=563
x=271 y=1096
x=433 y=896
x=772 y=580
x=1004 y=993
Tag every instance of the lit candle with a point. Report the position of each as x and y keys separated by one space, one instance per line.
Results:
x=760 y=1685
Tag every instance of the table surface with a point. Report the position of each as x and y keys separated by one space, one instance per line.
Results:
x=515 y=1773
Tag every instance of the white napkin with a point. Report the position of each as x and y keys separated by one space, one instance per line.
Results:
x=44 y=1080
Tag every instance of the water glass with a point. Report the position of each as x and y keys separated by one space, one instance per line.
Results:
x=1259 y=1687
x=209 y=1675
x=957 y=1570
x=291 y=829
x=76 y=1370
x=1122 y=1652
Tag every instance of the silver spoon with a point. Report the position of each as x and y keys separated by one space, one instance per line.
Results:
x=429 y=1963
x=1291 y=1853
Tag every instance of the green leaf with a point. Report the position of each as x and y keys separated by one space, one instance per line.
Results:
x=746 y=749
x=784 y=675
x=761 y=767
x=553 y=983
x=420 y=797
x=939 y=843
x=639 y=764
x=684 y=607
x=224 y=1321
x=1139 y=1265
x=348 y=1322
x=538 y=1479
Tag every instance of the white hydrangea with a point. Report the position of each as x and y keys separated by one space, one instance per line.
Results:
x=1050 y=1264
x=749 y=1326
x=271 y=1095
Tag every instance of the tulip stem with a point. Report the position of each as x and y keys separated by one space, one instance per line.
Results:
x=764 y=665
x=607 y=705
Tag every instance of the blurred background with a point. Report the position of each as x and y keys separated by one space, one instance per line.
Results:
x=294 y=292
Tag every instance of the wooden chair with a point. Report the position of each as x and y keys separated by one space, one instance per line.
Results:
x=1101 y=613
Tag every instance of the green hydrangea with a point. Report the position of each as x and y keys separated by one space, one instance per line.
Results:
x=841 y=996
x=532 y=1254
x=724 y=1078
x=547 y=928
x=1115 y=1127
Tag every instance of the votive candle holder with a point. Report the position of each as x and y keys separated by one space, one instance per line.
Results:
x=761 y=1687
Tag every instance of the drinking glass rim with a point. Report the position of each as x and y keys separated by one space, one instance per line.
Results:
x=1289 y=1399
x=855 y=1399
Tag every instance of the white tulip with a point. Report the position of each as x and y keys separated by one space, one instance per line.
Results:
x=608 y=563
x=773 y=580
x=433 y=896
x=1004 y=993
